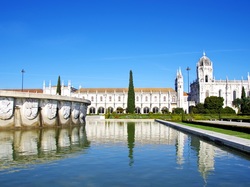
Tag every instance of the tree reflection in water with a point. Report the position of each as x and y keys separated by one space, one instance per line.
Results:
x=131 y=141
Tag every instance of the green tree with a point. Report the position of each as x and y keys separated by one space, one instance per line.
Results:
x=243 y=100
x=199 y=109
x=237 y=103
x=131 y=95
x=178 y=111
x=58 y=87
x=228 y=110
x=165 y=110
x=213 y=104
x=243 y=103
x=246 y=106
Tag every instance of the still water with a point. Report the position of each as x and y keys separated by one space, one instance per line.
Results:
x=142 y=153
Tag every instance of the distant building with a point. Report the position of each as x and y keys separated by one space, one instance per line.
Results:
x=205 y=85
x=155 y=100
x=158 y=100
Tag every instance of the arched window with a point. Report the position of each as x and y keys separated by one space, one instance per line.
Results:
x=206 y=78
x=155 y=110
x=92 y=98
x=101 y=110
x=220 y=93
x=119 y=98
x=146 y=98
x=137 y=110
x=146 y=110
x=164 y=98
x=101 y=98
x=164 y=110
x=110 y=110
x=155 y=98
x=137 y=98
x=110 y=98
x=92 y=110
x=234 y=95
x=119 y=110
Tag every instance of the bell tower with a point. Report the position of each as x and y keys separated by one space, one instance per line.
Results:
x=205 y=78
x=204 y=69
x=179 y=88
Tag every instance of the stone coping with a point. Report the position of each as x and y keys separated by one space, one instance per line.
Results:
x=240 y=144
x=41 y=96
x=102 y=118
x=227 y=123
x=130 y=120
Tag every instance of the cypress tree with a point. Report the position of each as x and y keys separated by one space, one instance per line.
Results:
x=58 y=87
x=131 y=95
x=243 y=93
x=243 y=101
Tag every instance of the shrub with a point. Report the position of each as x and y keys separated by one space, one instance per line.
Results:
x=178 y=111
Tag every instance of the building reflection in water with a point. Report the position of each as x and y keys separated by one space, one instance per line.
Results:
x=206 y=159
x=28 y=146
x=149 y=132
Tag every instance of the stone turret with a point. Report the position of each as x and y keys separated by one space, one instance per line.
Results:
x=179 y=88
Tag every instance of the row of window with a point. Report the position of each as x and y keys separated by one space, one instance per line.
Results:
x=138 y=110
x=234 y=94
x=137 y=99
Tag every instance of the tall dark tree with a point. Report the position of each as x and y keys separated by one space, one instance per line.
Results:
x=131 y=95
x=243 y=105
x=58 y=87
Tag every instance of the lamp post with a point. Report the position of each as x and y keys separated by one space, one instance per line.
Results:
x=188 y=69
x=22 y=78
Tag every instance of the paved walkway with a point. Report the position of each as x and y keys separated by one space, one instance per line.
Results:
x=231 y=123
x=227 y=140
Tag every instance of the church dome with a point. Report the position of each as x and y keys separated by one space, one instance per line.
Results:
x=204 y=61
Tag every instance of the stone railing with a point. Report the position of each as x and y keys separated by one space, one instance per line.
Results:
x=22 y=109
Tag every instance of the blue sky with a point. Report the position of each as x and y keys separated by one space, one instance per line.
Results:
x=95 y=43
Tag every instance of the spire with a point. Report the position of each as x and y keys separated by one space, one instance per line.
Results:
x=179 y=74
x=180 y=71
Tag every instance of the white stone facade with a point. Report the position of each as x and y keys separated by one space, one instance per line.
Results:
x=205 y=85
x=115 y=99
x=157 y=99
x=147 y=100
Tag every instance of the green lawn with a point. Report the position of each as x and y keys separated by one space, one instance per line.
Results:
x=219 y=130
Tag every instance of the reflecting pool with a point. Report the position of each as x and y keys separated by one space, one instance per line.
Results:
x=112 y=153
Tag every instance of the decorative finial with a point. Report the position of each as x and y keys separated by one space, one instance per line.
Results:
x=204 y=53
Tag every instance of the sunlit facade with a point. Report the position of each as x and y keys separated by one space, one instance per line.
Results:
x=205 y=85
x=103 y=100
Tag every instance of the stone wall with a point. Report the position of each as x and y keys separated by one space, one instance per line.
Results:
x=22 y=109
